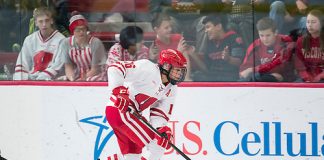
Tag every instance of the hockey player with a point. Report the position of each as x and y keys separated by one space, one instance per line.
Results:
x=138 y=86
x=39 y=47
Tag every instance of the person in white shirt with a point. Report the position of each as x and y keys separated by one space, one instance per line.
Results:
x=39 y=47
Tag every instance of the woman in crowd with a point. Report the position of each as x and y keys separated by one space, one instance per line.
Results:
x=309 y=60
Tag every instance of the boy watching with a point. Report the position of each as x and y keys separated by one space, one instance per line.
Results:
x=268 y=59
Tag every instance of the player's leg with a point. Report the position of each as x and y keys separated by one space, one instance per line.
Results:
x=132 y=135
x=130 y=150
x=155 y=150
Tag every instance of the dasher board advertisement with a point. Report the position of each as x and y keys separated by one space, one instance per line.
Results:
x=208 y=122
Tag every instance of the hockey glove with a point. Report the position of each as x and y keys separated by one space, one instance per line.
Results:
x=120 y=98
x=166 y=137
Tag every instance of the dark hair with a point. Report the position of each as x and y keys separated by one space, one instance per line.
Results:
x=266 y=23
x=306 y=40
x=215 y=19
x=130 y=35
x=159 y=18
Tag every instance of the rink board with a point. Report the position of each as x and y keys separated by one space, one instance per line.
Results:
x=210 y=122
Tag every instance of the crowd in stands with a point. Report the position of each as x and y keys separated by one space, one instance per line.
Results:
x=223 y=40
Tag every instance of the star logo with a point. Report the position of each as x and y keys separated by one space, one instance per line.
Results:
x=103 y=134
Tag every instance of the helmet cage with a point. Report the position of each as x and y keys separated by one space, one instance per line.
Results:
x=166 y=70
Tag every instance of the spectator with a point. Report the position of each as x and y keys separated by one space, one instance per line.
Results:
x=162 y=26
x=82 y=55
x=130 y=47
x=289 y=15
x=223 y=53
x=309 y=60
x=268 y=59
x=241 y=15
x=184 y=14
x=39 y=47
x=60 y=15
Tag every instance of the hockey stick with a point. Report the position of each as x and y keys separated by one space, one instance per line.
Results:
x=157 y=132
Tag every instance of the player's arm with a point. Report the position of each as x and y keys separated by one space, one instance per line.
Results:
x=117 y=73
x=160 y=114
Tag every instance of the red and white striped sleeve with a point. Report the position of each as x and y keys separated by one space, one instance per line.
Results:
x=116 y=74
